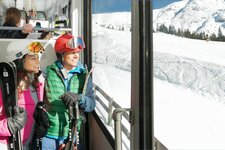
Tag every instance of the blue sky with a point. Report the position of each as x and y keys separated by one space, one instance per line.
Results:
x=103 y=6
x=162 y=3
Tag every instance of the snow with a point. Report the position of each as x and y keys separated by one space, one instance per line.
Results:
x=185 y=120
x=189 y=84
x=108 y=78
x=114 y=43
x=208 y=51
x=195 y=15
x=189 y=90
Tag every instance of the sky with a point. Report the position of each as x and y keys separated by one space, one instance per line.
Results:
x=162 y=3
x=189 y=79
x=103 y=6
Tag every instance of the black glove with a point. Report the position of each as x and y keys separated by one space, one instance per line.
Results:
x=41 y=131
x=41 y=117
x=40 y=114
x=18 y=121
x=69 y=98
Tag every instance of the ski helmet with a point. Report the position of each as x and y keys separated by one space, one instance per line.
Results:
x=68 y=43
x=18 y=48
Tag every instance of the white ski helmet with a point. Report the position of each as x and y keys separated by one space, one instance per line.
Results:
x=16 y=49
x=19 y=47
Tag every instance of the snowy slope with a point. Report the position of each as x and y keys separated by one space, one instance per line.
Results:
x=184 y=120
x=113 y=45
x=189 y=90
x=195 y=15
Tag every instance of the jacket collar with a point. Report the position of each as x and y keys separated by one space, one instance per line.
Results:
x=79 y=69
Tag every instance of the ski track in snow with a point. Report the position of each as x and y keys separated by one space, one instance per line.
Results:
x=205 y=78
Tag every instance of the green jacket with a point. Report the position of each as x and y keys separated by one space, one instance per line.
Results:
x=57 y=111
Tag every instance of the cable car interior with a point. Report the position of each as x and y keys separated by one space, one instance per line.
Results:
x=118 y=47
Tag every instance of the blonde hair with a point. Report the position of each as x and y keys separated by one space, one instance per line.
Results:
x=13 y=15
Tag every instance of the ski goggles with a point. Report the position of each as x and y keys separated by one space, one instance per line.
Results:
x=35 y=48
x=75 y=43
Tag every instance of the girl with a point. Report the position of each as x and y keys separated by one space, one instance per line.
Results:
x=30 y=91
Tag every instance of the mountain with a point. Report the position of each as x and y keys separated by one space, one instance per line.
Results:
x=194 y=15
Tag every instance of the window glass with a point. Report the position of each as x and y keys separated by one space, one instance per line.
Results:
x=23 y=14
x=37 y=15
x=41 y=16
x=111 y=45
x=189 y=91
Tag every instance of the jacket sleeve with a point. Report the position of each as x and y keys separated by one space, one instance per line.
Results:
x=88 y=102
x=13 y=34
x=4 y=131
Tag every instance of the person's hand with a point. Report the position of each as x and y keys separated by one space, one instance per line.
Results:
x=28 y=28
x=41 y=117
x=69 y=98
x=18 y=121
x=41 y=131
x=40 y=114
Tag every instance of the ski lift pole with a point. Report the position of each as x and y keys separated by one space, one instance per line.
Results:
x=88 y=74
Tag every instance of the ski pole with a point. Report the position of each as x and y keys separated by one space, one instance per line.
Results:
x=70 y=143
x=73 y=132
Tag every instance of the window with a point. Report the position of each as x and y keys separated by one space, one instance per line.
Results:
x=23 y=14
x=37 y=15
x=188 y=43
x=111 y=45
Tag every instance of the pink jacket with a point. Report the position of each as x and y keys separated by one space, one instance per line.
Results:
x=26 y=101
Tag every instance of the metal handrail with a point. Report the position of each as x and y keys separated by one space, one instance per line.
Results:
x=117 y=116
x=108 y=98
x=35 y=29
x=118 y=113
x=118 y=125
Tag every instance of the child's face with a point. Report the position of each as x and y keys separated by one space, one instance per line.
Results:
x=70 y=59
x=31 y=63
